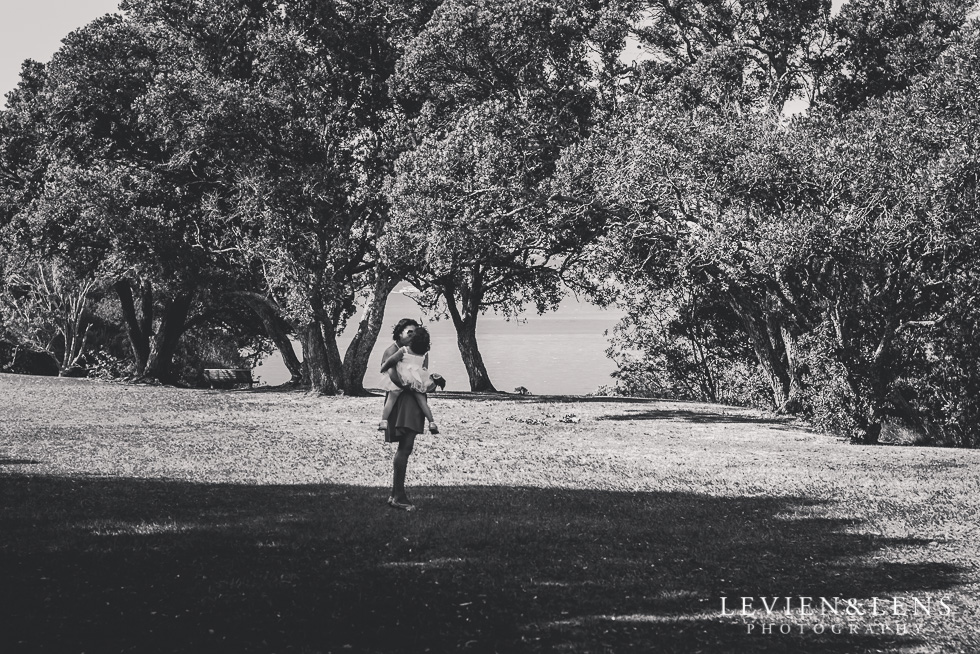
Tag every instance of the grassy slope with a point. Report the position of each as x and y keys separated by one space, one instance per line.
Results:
x=157 y=519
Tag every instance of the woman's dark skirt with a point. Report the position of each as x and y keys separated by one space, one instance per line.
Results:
x=406 y=418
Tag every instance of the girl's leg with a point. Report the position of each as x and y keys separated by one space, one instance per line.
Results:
x=424 y=405
x=400 y=465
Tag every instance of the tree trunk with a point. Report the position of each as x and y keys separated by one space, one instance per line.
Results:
x=761 y=330
x=172 y=323
x=472 y=359
x=316 y=359
x=465 y=323
x=335 y=366
x=75 y=327
x=284 y=344
x=872 y=434
x=868 y=420
x=878 y=383
x=137 y=327
x=794 y=396
x=358 y=355
x=275 y=328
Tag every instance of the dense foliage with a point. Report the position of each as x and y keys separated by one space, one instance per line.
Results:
x=838 y=246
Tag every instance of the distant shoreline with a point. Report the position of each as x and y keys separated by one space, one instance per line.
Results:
x=557 y=353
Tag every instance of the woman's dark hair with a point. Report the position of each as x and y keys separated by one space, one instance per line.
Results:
x=400 y=327
x=421 y=342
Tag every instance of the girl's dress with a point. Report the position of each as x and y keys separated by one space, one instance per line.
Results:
x=411 y=372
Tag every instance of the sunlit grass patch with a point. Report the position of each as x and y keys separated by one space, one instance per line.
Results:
x=137 y=528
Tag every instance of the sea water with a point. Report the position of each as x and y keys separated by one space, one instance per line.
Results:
x=560 y=353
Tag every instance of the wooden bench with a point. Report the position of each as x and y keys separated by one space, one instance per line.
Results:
x=228 y=376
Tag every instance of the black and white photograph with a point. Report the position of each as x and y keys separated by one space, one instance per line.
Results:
x=490 y=326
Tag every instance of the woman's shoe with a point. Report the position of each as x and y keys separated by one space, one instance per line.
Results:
x=401 y=506
x=433 y=429
x=383 y=425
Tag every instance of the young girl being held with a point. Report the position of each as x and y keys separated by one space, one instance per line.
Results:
x=406 y=367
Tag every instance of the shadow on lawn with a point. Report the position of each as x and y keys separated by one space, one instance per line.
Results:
x=697 y=416
x=108 y=565
x=516 y=398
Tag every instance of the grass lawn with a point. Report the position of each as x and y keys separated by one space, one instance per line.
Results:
x=154 y=519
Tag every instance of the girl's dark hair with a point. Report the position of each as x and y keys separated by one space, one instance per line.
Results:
x=400 y=327
x=421 y=342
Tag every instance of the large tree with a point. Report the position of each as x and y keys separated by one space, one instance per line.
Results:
x=898 y=239
x=693 y=195
x=298 y=100
x=492 y=90
x=704 y=168
x=844 y=246
x=123 y=196
x=696 y=129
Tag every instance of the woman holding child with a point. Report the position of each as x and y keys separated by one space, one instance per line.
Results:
x=407 y=381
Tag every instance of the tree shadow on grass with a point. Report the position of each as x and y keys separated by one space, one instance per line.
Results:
x=286 y=387
x=517 y=398
x=106 y=565
x=701 y=416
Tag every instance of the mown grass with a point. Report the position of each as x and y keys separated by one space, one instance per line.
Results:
x=153 y=519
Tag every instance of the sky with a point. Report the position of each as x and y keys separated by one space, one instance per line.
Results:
x=33 y=29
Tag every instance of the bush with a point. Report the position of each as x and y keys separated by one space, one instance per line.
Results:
x=105 y=364
x=686 y=345
x=948 y=392
x=828 y=402
x=936 y=395
x=20 y=360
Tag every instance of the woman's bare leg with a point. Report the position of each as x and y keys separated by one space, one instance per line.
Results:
x=400 y=465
